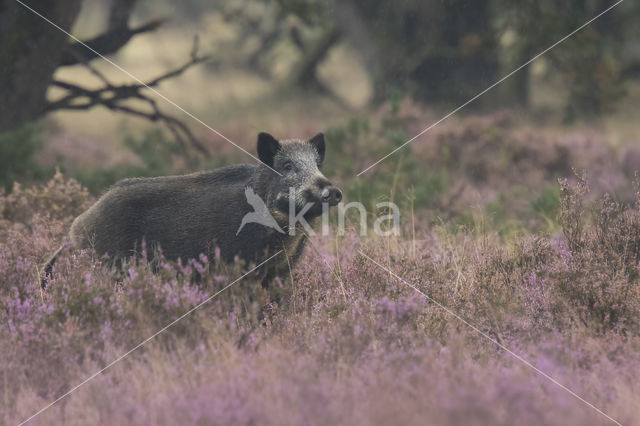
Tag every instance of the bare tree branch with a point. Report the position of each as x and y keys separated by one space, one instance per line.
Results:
x=114 y=98
x=304 y=74
x=114 y=38
x=110 y=42
x=119 y=13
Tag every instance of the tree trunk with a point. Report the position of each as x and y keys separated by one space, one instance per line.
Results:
x=465 y=61
x=30 y=52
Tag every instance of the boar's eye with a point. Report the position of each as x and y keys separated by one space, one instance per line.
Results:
x=288 y=167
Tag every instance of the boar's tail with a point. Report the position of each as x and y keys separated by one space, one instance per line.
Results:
x=48 y=269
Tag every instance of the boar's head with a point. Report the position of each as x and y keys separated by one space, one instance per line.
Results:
x=300 y=181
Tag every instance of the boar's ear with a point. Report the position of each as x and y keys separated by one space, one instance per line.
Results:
x=318 y=143
x=268 y=146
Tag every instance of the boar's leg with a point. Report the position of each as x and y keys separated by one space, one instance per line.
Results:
x=266 y=280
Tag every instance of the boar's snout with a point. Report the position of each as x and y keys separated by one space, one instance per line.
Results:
x=330 y=194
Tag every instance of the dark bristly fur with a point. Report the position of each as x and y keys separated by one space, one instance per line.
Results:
x=192 y=214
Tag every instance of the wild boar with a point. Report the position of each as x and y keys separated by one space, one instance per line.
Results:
x=244 y=210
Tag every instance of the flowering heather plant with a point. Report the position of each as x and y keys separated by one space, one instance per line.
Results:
x=339 y=340
x=58 y=199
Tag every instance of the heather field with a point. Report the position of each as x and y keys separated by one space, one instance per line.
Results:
x=523 y=240
x=506 y=133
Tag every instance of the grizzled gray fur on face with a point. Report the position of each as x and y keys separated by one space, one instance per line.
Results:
x=192 y=214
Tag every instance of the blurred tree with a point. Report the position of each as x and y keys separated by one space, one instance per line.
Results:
x=264 y=26
x=449 y=50
x=435 y=50
x=31 y=50
x=589 y=62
